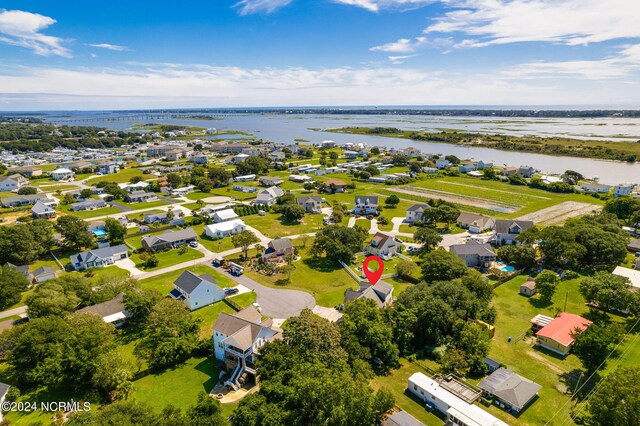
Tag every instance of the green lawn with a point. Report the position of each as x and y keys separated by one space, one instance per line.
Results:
x=178 y=386
x=109 y=273
x=169 y=258
x=122 y=176
x=164 y=282
x=325 y=280
x=54 y=188
x=364 y=224
x=209 y=314
x=272 y=226
x=145 y=204
x=216 y=246
x=87 y=214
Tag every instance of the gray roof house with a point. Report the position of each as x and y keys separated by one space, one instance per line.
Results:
x=269 y=196
x=87 y=205
x=112 y=311
x=507 y=230
x=23 y=200
x=270 y=181
x=170 y=239
x=42 y=211
x=381 y=293
x=140 y=196
x=43 y=274
x=475 y=255
x=196 y=291
x=415 y=213
x=366 y=204
x=514 y=392
x=98 y=257
x=402 y=418
x=475 y=223
x=310 y=204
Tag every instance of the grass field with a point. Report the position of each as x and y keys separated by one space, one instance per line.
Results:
x=272 y=226
x=322 y=278
x=87 y=214
x=145 y=205
x=164 y=282
x=209 y=314
x=122 y=176
x=168 y=258
x=216 y=246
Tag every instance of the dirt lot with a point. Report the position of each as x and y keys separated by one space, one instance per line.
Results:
x=458 y=199
x=560 y=212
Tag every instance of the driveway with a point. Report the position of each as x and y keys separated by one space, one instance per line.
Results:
x=450 y=239
x=273 y=302
x=121 y=207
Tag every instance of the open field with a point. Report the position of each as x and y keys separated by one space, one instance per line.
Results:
x=145 y=204
x=88 y=214
x=272 y=226
x=168 y=258
x=164 y=282
x=560 y=212
x=123 y=176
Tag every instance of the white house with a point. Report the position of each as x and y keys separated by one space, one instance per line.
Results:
x=310 y=204
x=415 y=213
x=98 y=257
x=237 y=159
x=269 y=196
x=506 y=231
x=224 y=215
x=457 y=410
x=382 y=245
x=224 y=229
x=196 y=291
x=622 y=190
x=12 y=182
x=366 y=205
x=62 y=174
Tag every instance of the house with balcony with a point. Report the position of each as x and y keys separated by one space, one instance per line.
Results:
x=12 y=182
x=62 y=174
x=237 y=339
x=475 y=255
x=382 y=245
x=108 y=168
x=415 y=213
x=365 y=205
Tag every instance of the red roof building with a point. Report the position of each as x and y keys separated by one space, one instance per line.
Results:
x=556 y=336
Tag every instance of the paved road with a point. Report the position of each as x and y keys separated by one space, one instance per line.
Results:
x=20 y=310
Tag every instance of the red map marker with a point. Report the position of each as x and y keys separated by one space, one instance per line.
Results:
x=372 y=276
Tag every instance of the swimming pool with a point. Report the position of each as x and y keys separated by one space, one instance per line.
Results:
x=507 y=268
x=99 y=232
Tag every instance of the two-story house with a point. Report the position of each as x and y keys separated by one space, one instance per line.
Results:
x=506 y=231
x=366 y=205
x=311 y=204
x=382 y=245
x=237 y=339
x=475 y=255
x=475 y=223
x=12 y=182
x=196 y=291
x=415 y=213
x=108 y=168
x=278 y=250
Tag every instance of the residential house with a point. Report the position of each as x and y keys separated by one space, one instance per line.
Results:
x=237 y=159
x=509 y=171
x=506 y=231
x=492 y=364
x=199 y=159
x=475 y=223
x=112 y=311
x=196 y=291
x=238 y=338
x=475 y=255
x=300 y=178
x=335 y=186
x=622 y=190
x=365 y=205
x=382 y=245
x=278 y=250
x=277 y=156
x=24 y=200
x=401 y=418
x=140 y=196
x=209 y=209
x=224 y=215
x=269 y=196
x=457 y=407
x=132 y=187
x=415 y=213
x=557 y=336
x=633 y=275
x=42 y=211
x=27 y=171
x=442 y=163
x=350 y=154
x=528 y=288
x=42 y=274
x=169 y=239
x=225 y=229
x=481 y=165
x=164 y=217
x=12 y=182
x=174 y=154
x=595 y=188
x=512 y=391
x=245 y=178
x=526 y=171
x=99 y=257
x=328 y=144
x=381 y=293
x=62 y=174
x=467 y=167
x=270 y=181
x=310 y=204
x=429 y=170
x=108 y=168
x=87 y=205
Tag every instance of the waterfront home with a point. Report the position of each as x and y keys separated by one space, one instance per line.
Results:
x=225 y=229
x=196 y=291
x=557 y=336
x=415 y=213
x=526 y=171
x=12 y=182
x=475 y=255
x=382 y=245
x=507 y=230
x=467 y=167
x=112 y=311
x=365 y=205
x=442 y=163
x=509 y=171
x=622 y=190
x=475 y=223
x=595 y=188
x=99 y=257
x=481 y=165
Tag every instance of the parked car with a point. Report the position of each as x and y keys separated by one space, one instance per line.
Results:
x=257 y=306
x=231 y=291
x=398 y=240
x=193 y=244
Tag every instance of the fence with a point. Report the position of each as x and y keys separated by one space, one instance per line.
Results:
x=350 y=271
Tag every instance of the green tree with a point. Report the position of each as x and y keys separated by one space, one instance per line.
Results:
x=206 y=412
x=75 y=232
x=27 y=190
x=253 y=166
x=314 y=338
x=616 y=401
x=607 y=291
x=42 y=231
x=113 y=375
x=428 y=237
x=546 y=284
x=292 y=213
x=12 y=284
x=50 y=299
x=392 y=200
x=407 y=268
x=115 y=231
x=18 y=245
x=140 y=302
x=521 y=256
x=219 y=176
x=440 y=265
x=204 y=184
x=338 y=242
x=594 y=344
x=175 y=180
x=244 y=239
x=86 y=193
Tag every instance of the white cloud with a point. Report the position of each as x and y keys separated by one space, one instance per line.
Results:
x=108 y=46
x=407 y=45
x=163 y=86
x=249 y=7
x=397 y=60
x=377 y=5
x=572 y=22
x=24 y=29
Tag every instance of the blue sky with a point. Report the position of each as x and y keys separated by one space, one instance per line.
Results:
x=226 y=53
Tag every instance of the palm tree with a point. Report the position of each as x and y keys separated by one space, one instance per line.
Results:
x=200 y=203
